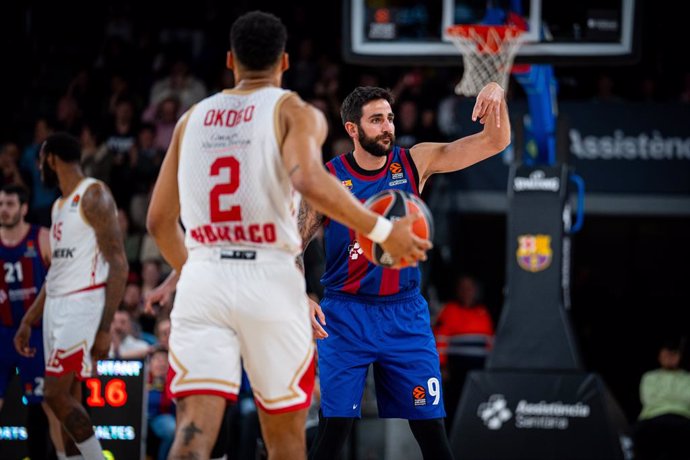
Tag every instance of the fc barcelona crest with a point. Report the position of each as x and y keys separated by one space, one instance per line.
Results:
x=534 y=252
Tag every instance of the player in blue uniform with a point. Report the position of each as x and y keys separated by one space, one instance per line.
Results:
x=371 y=314
x=24 y=257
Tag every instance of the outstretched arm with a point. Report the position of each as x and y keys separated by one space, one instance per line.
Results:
x=101 y=213
x=492 y=112
x=306 y=130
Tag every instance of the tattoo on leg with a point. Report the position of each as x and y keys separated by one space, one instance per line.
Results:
x=78 y=425
x=189 y=432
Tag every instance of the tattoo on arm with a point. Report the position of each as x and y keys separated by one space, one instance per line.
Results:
x=299 y=261
x=100 y=212
x=190 y=431
x=308 y=222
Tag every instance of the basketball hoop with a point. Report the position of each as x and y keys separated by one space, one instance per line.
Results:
x=487 y=54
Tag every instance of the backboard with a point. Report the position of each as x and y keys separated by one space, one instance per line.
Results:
x=410 y=32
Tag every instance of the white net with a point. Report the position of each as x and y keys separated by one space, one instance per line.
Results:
x=487 y=55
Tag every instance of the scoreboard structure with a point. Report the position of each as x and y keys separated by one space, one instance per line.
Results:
x=115 y=398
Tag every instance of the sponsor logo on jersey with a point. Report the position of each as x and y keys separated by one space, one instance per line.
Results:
x=534 y=252
x=419 y=395
x=64 y=253
x=396 y=170
x=347 y=183
x=397 y=175
x=30 y=252
x=354 y=250
x=75 y=201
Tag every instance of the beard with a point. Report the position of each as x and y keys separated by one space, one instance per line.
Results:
x=371 y=144
x=9 y=221
x=48 y=175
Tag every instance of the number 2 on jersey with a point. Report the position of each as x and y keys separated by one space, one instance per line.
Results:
x=234 y=213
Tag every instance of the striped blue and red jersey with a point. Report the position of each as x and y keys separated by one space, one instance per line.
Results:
x=347 y=270
x=23 y=274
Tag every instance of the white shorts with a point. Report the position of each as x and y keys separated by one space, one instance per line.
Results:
x=232 y=312
x=70 y=324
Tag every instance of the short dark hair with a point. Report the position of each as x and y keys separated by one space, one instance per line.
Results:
x=20 y=191
x=257 y=40
x=351 y=110
x=65 y=146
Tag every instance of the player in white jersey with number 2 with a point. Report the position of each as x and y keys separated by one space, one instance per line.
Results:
x=84 y=286
x=236 y=167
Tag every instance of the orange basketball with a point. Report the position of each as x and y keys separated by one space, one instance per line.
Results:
x=395 y=204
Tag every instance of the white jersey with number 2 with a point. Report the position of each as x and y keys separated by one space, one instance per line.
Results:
x=234 y=188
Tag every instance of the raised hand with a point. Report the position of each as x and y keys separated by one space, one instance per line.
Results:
x=489 y=102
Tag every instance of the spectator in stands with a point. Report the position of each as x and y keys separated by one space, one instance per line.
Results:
x=42 y=197
x=161 y=410
x=132 y=238
x=9 y=167
x=120 y=138
x=95 y=160
x=181 y=84
x=124 y=345
x=464 y=334
x=163 y=332
x=151 y=275
x=663 y=427
x=68 y=115
x=164 y=117
x=605 y=90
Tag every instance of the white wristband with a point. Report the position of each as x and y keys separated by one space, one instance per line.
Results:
x=381 y=230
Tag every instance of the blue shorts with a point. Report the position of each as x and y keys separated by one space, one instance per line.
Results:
x=395 y=336
x=31 y=370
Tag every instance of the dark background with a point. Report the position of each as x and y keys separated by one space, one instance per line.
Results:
x=630 y=273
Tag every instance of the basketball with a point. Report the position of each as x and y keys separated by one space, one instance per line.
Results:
x=394 y=204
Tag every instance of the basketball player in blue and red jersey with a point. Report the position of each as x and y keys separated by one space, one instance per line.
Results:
x=373 y=315
x=24 y=257
x=236 y=167
x=84 y=285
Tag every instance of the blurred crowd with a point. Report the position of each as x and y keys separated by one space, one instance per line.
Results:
x=123 y=91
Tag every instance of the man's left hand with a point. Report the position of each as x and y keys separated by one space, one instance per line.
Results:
x=489 y=102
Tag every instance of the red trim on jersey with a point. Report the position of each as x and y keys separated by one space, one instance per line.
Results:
x=356 y=269
x=408 y=169
x=390 y=282
x=89 y=288
x=28 y=283
x=208 y=392
x=306 y=383
x=374 y=177
x=331 y=169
